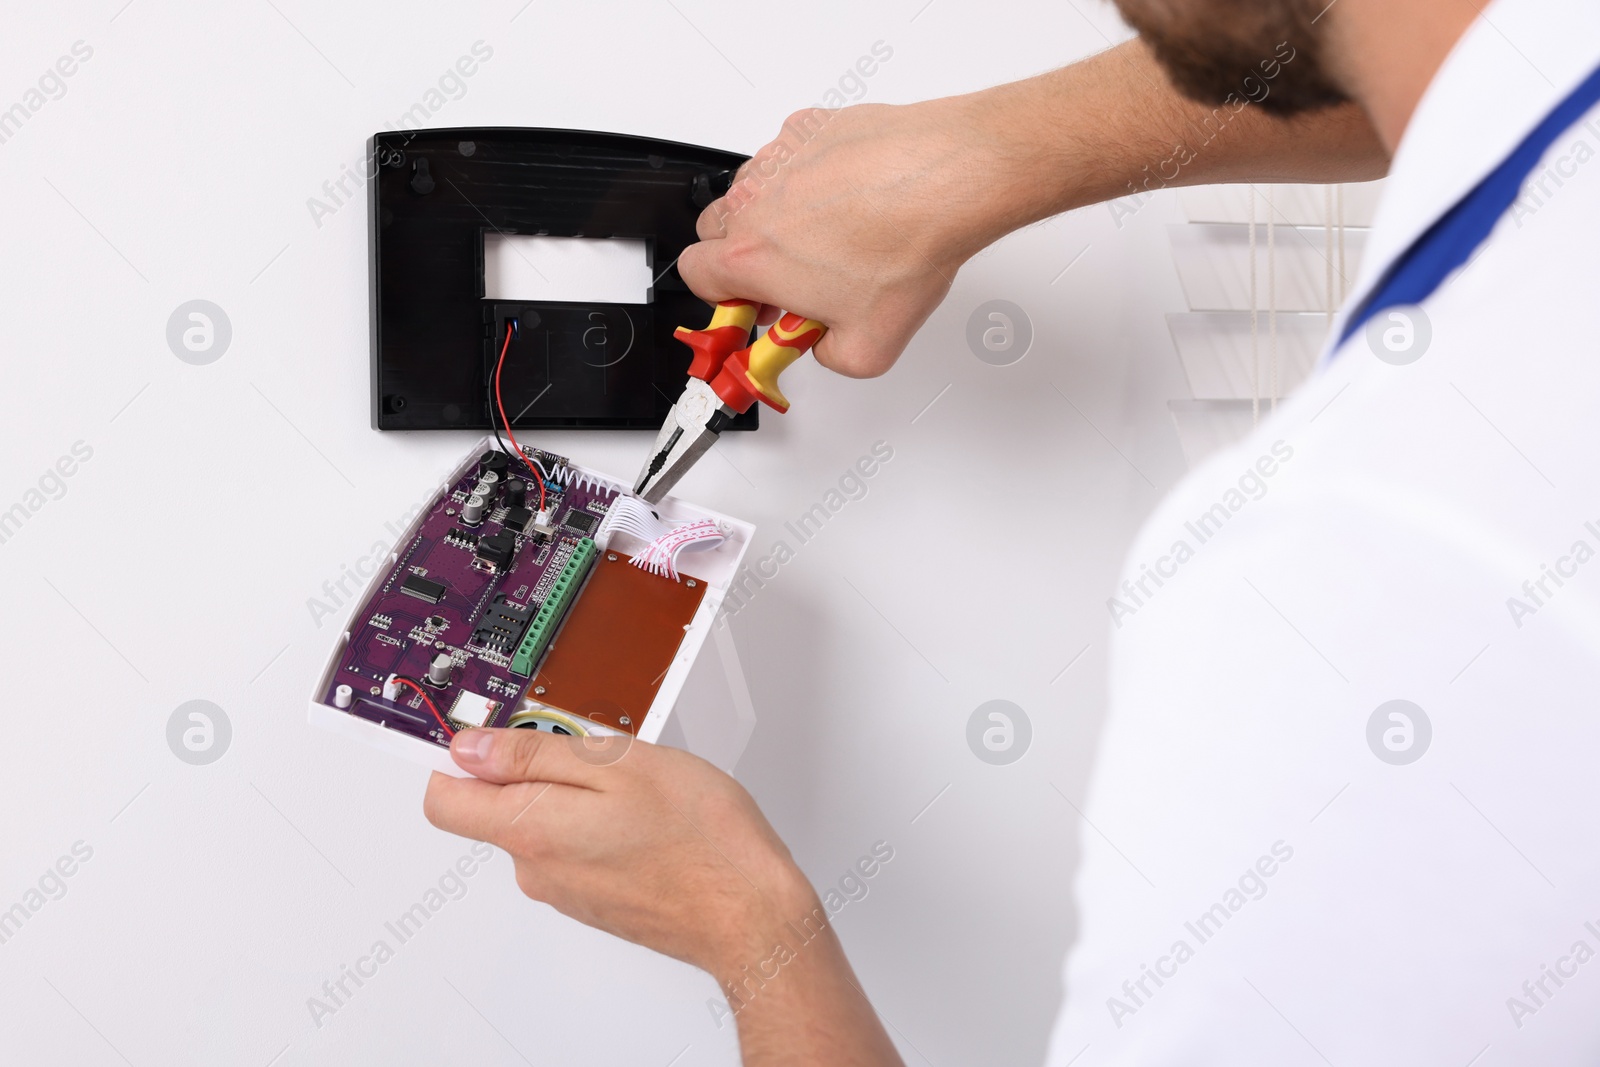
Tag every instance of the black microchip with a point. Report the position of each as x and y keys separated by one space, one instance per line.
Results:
x=502 y=625
x=580 y=521
x=422 y=588
x=497 y=549
x=518 y=519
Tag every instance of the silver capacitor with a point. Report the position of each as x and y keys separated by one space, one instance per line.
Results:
x=472 y=510
x=439 y=669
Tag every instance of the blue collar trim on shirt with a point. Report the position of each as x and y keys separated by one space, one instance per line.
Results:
x=1456 y=235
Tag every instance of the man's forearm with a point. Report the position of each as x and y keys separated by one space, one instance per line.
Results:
x=1113 y=125
x=793 y=996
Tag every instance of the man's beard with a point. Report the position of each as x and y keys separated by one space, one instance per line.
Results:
x=1212 y=49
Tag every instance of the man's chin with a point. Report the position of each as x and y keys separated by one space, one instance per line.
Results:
x=1276 y=67
x=1281 y=98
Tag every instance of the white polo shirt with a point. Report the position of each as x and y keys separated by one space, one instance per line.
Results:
x=1279 y=865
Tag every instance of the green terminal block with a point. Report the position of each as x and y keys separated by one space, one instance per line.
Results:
x=554 y=607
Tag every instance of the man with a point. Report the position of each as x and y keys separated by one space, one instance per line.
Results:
x=1345 y=799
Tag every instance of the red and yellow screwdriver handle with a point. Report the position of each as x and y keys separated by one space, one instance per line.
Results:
x=741 y=374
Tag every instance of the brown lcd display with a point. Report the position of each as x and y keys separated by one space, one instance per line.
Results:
x=618 y=640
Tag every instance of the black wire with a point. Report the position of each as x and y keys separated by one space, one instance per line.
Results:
x=546 y=486
x=488 y=399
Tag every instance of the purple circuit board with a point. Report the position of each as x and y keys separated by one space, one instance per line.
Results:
x=401 y=629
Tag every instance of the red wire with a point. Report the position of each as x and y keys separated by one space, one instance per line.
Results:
x=429 y=701
x=532 y=467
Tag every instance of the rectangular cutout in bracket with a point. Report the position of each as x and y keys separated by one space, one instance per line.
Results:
x=588 y=270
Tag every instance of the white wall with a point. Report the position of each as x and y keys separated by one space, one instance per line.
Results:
x=218 y=499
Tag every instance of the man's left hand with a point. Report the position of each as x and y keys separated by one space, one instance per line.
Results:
x=645 y=842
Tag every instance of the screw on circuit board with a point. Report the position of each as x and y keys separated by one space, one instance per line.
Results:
x=691 y=583
x=438 y=644
x=375 y=690
x=449 y=511
x=624 y=720
x=612 y=556
x=539 y=689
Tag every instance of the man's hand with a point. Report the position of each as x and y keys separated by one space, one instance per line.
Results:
x=647 y=843
x=861 y=217
x=661 y=848
x=852 y=217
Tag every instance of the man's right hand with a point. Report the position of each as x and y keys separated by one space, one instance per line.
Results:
x=861 y=217
x=858 y=218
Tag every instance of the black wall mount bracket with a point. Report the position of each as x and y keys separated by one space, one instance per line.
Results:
x=434 y=194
